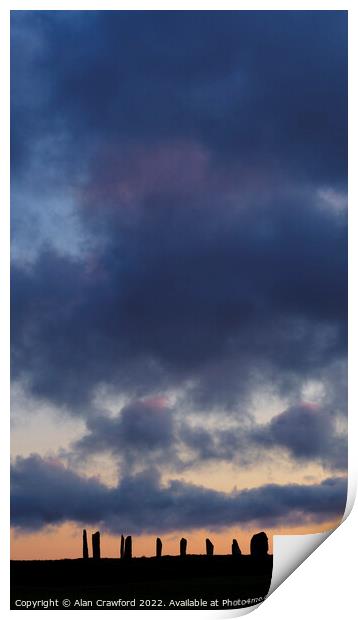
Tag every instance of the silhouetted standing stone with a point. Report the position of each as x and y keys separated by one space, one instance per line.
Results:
x=183 y=545
x=209 y=547
x=235 y=549
x=96 y=546
x=122 y=546
x=259 y=545
x=158 y=548
x=128 y=547
x=84 y=545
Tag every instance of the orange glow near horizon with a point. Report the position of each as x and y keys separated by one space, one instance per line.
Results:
x=65 y=541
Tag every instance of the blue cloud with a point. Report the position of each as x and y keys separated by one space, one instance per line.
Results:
x=46 y=493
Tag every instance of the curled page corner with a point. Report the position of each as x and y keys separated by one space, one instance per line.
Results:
x=351 y=491
x=290 y=551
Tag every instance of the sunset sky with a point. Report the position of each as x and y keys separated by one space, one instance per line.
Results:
x=179 y=277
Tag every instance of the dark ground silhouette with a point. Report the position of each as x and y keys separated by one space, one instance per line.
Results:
x=149 y=579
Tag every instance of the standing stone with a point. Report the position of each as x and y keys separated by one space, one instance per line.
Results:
x=96 y=546
x=235 y=549
x=122 y=546
x=209 y=547
x=259 y=545
x=183 y=545
x=128 y=547
x=158 y=548
x=84 y=545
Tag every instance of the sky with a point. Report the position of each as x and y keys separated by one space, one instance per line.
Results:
x=178 y=278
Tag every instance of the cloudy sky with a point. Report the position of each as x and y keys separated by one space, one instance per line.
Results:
x=179 y=276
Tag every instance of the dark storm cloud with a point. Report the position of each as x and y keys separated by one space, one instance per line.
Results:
x=195 y=145
x=217 y=295
x=307 y=432
x=142 y=433
x=253 y=86
x=202 y=158
x=149 y=432
x=46 y=493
